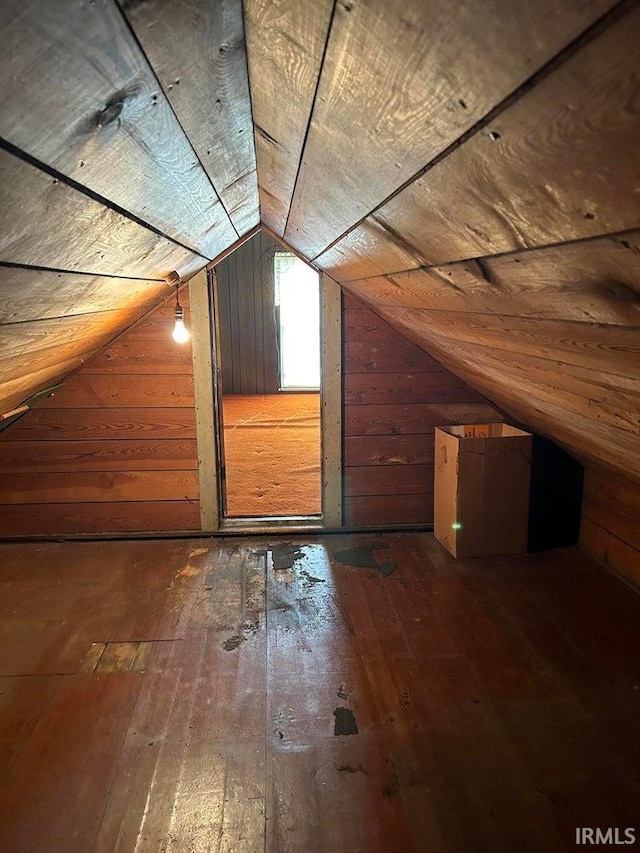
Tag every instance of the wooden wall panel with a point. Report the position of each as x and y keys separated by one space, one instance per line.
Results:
x=36 y=354
x=285 y=44
x=611 y=522
x=197 y=49
x=106 y=517
x=125 y=454
x=596 y=281
x=109 y=452
x=412 y=77
x=577 y=383
x=85 y=102
x=394 y=395
x=32 y=294
x=46 y=223
x=246 y=318
x=558 y=165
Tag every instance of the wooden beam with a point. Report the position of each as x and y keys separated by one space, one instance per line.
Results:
x=331 y=397
x=203 y=383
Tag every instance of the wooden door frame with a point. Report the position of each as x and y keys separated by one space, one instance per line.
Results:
x=206 y=372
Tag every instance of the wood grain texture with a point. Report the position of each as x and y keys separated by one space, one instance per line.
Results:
x=596 y=281
x=391 y=406
x=128 y=454
x=34 y=294
x=572 y=343
x=92 y=518
x=95 y=390
x=198 y=52
x=246 y=322
x=399 y=419
x=33 y=338
x=559 y=164
x=385 y=388
x=383 y=73
x=611 y=522
x=389 y=355
x=581 y=422
x=285 y=44
x=331 y=401
x=28 y=381
x=368 y=249
x=378 y=510
x=35 y=355
x=200 y=299
x=109 y=451
x=385 y=450
x=99 y=708
x=474 y=685
x=44 y=222
x=113 y=423
x=98 y=116
x=377 y=480
x=94 y=487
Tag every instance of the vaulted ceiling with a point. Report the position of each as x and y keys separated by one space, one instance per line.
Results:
x=470 y=169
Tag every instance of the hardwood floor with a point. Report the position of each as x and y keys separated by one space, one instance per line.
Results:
x=350 y=693
x=272 y=454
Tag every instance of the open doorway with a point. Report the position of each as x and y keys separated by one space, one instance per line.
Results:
x=268 y=331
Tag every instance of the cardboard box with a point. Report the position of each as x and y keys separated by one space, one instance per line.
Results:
x=482 y=477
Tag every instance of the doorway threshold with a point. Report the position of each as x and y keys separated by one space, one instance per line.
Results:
x=273 y=524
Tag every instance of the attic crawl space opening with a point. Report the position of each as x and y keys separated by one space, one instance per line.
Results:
x=269 y=437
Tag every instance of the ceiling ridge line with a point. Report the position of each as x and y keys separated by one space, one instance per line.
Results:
x=509 y=252
x=138 y=43
x=243 y=10
x=311 y=111
x=604 y=22
x=12 y=149
x=37 y=267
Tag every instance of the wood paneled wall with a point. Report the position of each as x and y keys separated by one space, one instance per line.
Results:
x=115 y=449
x=394 y=397
x=127 y=152
x=246 y=318
x=611 y=522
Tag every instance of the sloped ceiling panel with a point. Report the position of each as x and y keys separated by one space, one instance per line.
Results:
x=471 y=171
x=286 y=40
x=126 y=153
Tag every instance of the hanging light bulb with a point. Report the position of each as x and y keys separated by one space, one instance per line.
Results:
x=180 y=332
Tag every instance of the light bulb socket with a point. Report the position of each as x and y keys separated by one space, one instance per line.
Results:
x=179 y=313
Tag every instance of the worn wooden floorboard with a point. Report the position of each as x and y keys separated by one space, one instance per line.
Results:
x=338 y=694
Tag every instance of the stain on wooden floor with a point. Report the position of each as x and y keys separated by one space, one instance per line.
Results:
x=295 y=695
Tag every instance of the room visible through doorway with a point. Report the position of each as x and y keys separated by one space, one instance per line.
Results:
x=268 y=325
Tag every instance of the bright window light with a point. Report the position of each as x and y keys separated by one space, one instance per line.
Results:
x=297 y=292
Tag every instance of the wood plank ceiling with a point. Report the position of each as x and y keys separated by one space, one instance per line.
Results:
x=469 y=169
